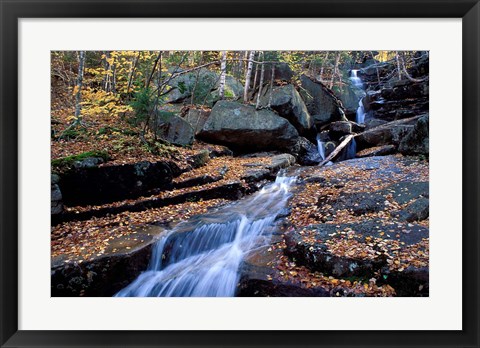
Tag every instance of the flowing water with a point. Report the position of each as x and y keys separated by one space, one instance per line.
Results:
x=360 y=118
x=349 y=152
x=321 y=147
x=202 y=257
x=356 y=81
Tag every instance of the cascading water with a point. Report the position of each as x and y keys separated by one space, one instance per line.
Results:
x=321 y=147
x=360 y=117
x=356 y=81
x=351 y=149
x=349 y=152
x=202 y=257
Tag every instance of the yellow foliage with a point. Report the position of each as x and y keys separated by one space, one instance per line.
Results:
x=383 y=56
x=120 y=64
x=99 y=102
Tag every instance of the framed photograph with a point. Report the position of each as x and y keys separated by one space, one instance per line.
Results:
x=239 y=173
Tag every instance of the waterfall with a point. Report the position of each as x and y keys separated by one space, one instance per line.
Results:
x=360 y=117
x=201 y=257
x=356 y=81
x=321 y=147
x=352 y=149
x=349 y=152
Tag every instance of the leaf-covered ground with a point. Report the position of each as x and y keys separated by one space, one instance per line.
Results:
x=311 y=206
x=78 y=240
x=83 y=240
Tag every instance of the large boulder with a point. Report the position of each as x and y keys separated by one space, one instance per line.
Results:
x=233 y=91
x=243 y=128
x=282 y=72
x=173 y=129
x=390 y=133
x=233 y=87
x=340 y=128
x=182 y=86
x=56 y=195
x=416 y=141
x=197 y=118
x=349 y=96
x=306 y=152
x=109 y=183
x=204 y=84
x=398 y=99
x=106 y=273
x=323 y=106
x=287 y=102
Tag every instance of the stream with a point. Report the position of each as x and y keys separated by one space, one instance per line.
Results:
x=202 y=257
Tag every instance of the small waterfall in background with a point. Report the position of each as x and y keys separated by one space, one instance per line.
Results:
x=360 y=117
x=202 y=258
x=352 y=149
x=356 y=81
x=321 y=147
x=349 y=152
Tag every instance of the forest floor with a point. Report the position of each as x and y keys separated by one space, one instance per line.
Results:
x=367 y=228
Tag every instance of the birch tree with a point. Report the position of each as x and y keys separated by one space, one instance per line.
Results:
x=399 y=69
x=271 y=86
x=78 y=87
x=323 y=65
x=248 y=75
x=223 y=74
x=256 y=73
x=335 y=69
x=260 y=86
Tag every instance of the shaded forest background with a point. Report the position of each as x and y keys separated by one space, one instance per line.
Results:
x=106 y=101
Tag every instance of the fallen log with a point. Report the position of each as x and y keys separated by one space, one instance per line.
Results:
x=410 y=120
x=337 y=149
x=385 y=133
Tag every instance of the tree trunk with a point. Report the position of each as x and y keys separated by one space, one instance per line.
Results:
x=105 y=67
x=312 y=66
x=78 y=94
x=260 y=86
x=244 y=65
x=147 y=83
x=335 y=69
x=197 y=77
x=132 y=72
x=256 y=73
x=408 y=76
x=376 y=68
x=223 y=73
x=114 y=79
x=108 y=74
x=248 y=75
x=239 y=65
x=323 y=66
x=271 y=85
x=399 y=69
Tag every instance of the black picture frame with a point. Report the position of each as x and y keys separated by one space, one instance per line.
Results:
x=11 y=11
